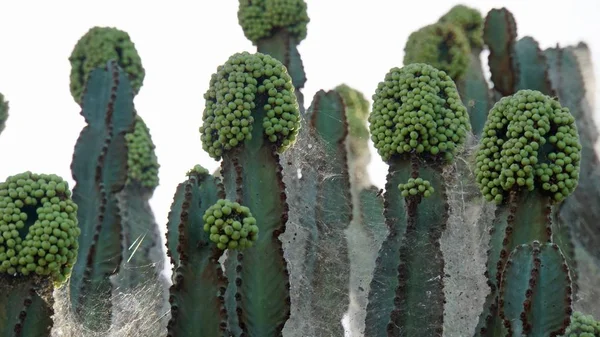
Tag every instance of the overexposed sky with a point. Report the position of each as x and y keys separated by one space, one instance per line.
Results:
x=181 y=44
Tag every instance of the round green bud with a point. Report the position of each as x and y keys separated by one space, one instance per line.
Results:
x=142 y=162
x=236 y=230
x=357 y=110
x=417 y=109
x=416 y=186
x=442 y=45
x=244 y=81
x=582 y=326
x=469 y=20
x=98 y=46
x=38 y=231
x=262 y=18
x=200 y=171
x=3 y=113
x=529 y=139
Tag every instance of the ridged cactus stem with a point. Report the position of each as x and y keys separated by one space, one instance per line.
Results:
x=329 y=272
x=99 y=169
x=528 y=160
x=23 y=312
x=253 y=93
x=407 y=295
x=475 y=93
x=197 y=293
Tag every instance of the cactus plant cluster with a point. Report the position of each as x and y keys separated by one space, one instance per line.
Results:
x=235 y=273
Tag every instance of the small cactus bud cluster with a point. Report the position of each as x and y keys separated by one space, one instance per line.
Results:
x=416 y=186
x=417 y=109
x=469 y=20
x=3 y=112
x=230 y=225
x=582 y=326
x=261 y=18
x=197 y=170
x=98 y=46
x=38 y=226
x=232 y=98
x=142 y=163
x=528 y=138
x=442 y=45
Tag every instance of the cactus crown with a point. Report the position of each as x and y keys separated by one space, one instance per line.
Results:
x=232 y=96
x=38 y=226
x=142 y=162
x=98 y=46
x=417 y=108
x=3 y=112
x=528 y=138
x=198 y=170
x=582 y=326
x=230 y=225
x=357 y=110
x=261 y=18
x=442 y=45
x=469 y=20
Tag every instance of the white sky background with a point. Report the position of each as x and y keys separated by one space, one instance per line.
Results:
x=349 y=41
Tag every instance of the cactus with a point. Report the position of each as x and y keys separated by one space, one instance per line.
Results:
x=38 y=247
x=582 y=326
x=197 y=305
x=530 y=141
x=99 y=169
x=247 y=125
x=3 y=113
x=417 y=124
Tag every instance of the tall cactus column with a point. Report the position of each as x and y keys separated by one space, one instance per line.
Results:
x=417 y=123
x=276 y=28
x=251 y=115
x=528 y=160
x=99 y=169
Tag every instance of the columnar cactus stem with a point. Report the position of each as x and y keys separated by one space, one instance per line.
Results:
x=529 y=141
x=417 y=124
x=251 y=115
x=3 y=113
x=499 y=34
x=197 y=303
x=276 y=28
x=99 y=169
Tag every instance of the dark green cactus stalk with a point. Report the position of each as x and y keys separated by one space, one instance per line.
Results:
x=535 y=291
x=582 y=326
x=417 y=124
x=197 y=304
x=99 y=168
x=38 y=247
x=276 y=28
x=527 y=161
x=98 y=46
x=251 y=115
x=3 y=113
x=499 y=34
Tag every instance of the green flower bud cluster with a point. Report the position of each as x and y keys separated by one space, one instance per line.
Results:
x=197 y=170
x=3 y=112
x=469 y=20
x=357 y=110
x=261 y=18
x=142 y=163
x=442 y=45
x=582 y=326
x=528 y=138
x=230 y=225
x=230 y=101
x=38 y=226
x=416 y=186
x=98 y=46
x=417 y=109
